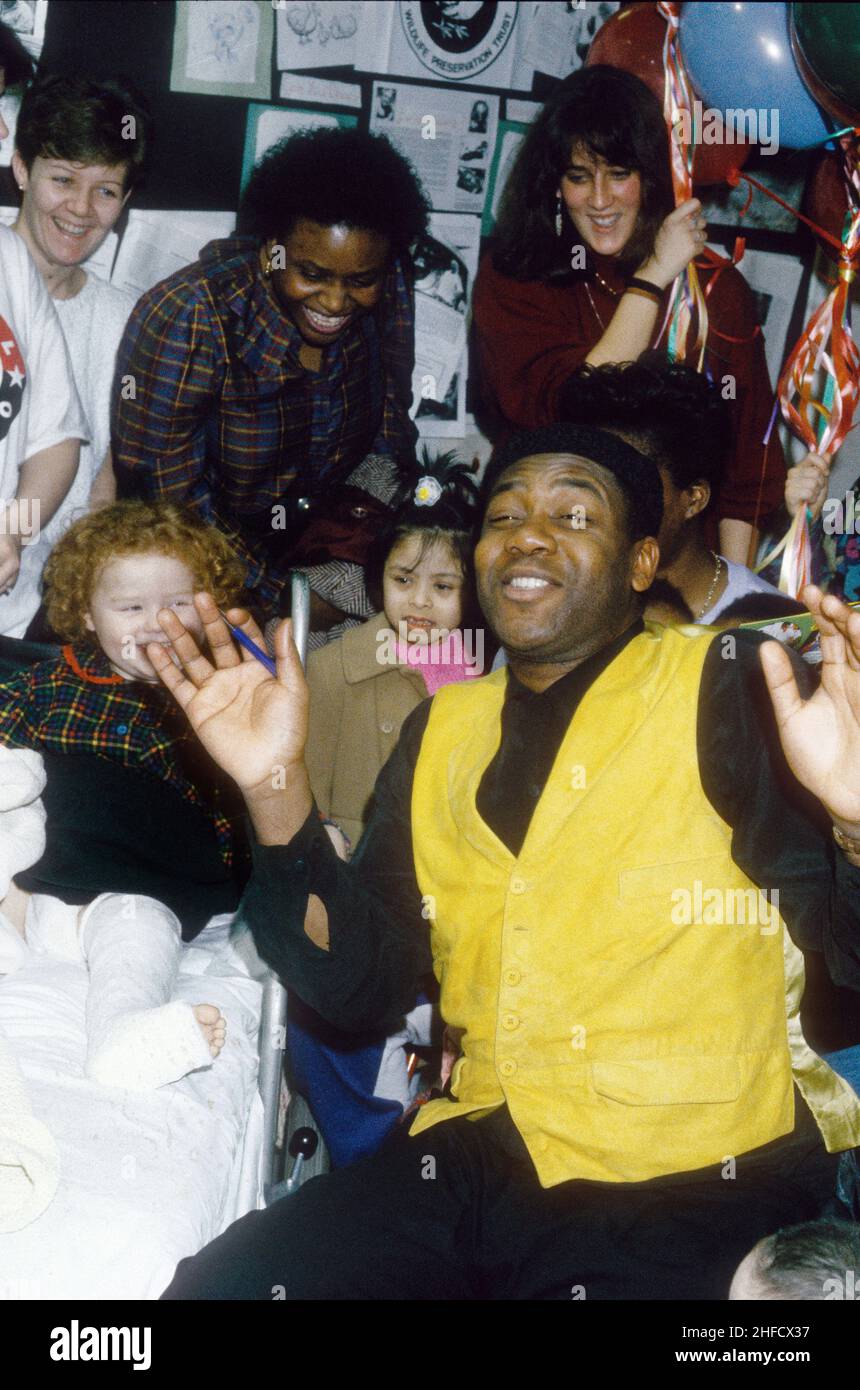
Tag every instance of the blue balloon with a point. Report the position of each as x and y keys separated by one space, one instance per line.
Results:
x=739 y=59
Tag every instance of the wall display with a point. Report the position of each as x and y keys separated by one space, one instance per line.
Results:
x=269 y=124
x=10 y=105
x=157 y=244
x=451 y=41
x=27 y=18
x=776 y=283
x=560 y=35
x=223 y=48
x=519 y=110
x=322 y=34
x=446 y=263
x=510 y=137
x=785 y=174
x=448 y=137
x=299 y=87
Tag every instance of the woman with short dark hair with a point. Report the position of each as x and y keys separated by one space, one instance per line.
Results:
x=81 y=147
x=587 y=244
x=270 y=369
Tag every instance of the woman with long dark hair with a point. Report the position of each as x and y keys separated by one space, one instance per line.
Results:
x=587 y=244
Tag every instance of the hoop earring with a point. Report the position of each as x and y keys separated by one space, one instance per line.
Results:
x=558 y=219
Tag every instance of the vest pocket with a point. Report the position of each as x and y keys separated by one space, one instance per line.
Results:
x=669 y=1081
x=675 y=882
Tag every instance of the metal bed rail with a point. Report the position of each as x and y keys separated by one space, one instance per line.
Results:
x=273 y=1020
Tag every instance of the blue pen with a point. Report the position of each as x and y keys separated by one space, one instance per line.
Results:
x=251 y=647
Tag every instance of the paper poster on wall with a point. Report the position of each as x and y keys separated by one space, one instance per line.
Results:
x=446 y=419
x=447 y=135
x=297 y=86
x=560 y=35
x=446 y=262
x=27 y=19
x=517 y=110
x=322 y=34
x=775 y=281
x=508 y=141
x=267 y=125
x=450 y=41
x=157 y=244
x=223 y=48
x=10 y=105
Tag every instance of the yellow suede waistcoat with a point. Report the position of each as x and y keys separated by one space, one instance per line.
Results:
x=632 y=1032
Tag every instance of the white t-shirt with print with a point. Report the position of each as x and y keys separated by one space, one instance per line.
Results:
x=93 y=322
x=39 y=405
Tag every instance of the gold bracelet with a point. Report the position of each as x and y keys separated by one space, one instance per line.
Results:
x=845 y=843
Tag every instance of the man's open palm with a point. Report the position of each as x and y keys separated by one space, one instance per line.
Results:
x=253 y=724
x=821 y=736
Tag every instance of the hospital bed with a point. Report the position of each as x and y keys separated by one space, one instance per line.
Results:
x=147 y=1179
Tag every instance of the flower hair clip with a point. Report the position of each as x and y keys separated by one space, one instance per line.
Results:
x=428 y=490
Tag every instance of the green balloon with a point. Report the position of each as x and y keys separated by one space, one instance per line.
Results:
x=829 y=39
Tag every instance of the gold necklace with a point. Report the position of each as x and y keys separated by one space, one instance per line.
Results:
x=594 y=306
x=717 y=572
x=600 y=280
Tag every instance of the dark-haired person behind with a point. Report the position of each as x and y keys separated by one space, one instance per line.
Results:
x=592 y=179
x=675 y=416
x=81 y=148
x=268 y=370
x=818 y=1260
x=362 y=688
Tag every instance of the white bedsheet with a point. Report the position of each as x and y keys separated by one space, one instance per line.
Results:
x=144 y=1179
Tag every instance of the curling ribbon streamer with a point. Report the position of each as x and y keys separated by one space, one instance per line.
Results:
x=687 y=311
x=827 y=344
x=796 y=568
x=829 y=327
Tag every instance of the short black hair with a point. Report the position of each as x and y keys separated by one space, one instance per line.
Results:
x=636 y=475
x=756 y=607
x=798 y=1261
x=342 y=177
x=667 y=410
x=86 y=122
x=15 y=61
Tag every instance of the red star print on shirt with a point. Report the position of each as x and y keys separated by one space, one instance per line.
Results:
x=13 y=377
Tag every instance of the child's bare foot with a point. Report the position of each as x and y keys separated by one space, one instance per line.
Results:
x=213 y=1026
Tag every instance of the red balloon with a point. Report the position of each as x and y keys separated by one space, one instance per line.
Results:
x=827 y=100
x=826 y=198
x=633 y=39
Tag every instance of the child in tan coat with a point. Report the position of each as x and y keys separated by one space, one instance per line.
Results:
x=362 y=687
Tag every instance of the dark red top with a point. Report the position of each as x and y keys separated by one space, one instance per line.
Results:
x=531 y=336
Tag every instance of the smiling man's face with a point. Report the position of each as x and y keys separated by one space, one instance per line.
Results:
x=557 y=572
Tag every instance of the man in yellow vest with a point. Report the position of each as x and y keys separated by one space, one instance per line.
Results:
x=610 y=855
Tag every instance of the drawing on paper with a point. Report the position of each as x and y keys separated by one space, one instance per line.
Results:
x=320 y=21
x=222 y=41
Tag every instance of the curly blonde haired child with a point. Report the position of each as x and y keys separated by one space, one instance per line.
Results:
x=123 y=839
x=133 y=528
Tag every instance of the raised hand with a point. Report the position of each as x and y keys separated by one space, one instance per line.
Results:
x=253 y=724
x=806 y=484
x=821 y=736
x=681 y=236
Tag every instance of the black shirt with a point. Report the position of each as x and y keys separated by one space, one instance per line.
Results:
x=379 y=941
